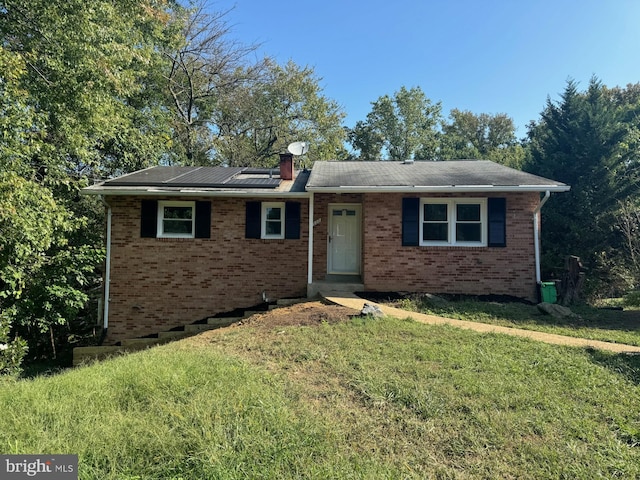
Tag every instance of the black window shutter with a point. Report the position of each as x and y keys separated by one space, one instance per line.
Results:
x=292 y=220
x=252 y=225
x=149 y=218
x=203 y=219
x=497 y=228
x=410 y=222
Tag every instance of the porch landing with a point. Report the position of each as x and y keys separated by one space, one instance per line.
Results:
x=335 y=284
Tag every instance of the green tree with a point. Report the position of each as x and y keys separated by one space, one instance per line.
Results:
x=42 y=275
x=231 y=111
x=400 y=127
x=366 y=140
x=88 y=71
x=627 y=224
x=20 y=125
x=483 y=136
x=205 y=66
x=78 y=101
x=286 y=104
x=588 y=140
x=31 y=223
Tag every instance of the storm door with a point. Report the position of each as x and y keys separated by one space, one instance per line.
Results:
x=344 y=239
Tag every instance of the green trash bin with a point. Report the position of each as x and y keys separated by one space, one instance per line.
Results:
x=548 y=292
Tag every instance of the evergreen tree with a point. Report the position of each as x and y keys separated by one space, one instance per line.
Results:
x=588 y=140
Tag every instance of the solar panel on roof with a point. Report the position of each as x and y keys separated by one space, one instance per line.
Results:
x=150 y=176
x=212 y=177
x=207 y=176
x=254 y=182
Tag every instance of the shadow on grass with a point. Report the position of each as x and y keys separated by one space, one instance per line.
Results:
x=626 y=365
x=45 y=368
x=627 y=320
x=587 y=317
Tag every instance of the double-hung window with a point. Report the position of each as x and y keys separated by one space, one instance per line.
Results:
x=176 y=219
x=453 y=221
x=272 y=220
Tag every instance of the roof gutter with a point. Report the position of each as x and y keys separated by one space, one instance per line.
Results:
x=536 y=233
x=440 y=189
x=190 y=193
x=107 y=268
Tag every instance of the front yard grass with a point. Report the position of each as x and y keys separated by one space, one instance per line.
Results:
x=365 y=398
x=606 y=324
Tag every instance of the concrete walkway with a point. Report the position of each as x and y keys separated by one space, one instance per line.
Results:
x=348 y=299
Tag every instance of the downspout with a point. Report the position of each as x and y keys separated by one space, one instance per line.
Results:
x=107 y=266
x=536 y=233
x=310 y=252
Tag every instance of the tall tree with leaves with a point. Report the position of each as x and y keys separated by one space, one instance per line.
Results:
x=90 y=72
x=286 y=104
x=589 y=140
x=78 y=102
x=400 y=127
x=206 y=66
x=471 y=136
x=230 y=110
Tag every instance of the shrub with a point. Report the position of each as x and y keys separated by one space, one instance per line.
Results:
x=632 y=299
x=11 y=351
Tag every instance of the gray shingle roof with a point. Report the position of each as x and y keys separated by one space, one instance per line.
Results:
x=454 y=175
x=425 y=175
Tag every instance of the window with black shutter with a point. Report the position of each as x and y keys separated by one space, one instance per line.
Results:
x=175 y=219
x=273 y=220
x=457 y=222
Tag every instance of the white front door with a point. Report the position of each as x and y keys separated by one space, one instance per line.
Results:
x=344 y=239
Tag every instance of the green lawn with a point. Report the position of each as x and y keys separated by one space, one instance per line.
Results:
x=366 y=398
x=593 y=323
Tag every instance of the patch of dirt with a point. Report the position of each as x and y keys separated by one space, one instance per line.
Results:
x=311 y=313
x=300 y=314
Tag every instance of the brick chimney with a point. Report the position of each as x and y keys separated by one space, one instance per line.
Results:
x=286 y=166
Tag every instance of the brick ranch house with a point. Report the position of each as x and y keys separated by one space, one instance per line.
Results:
x=184 y=243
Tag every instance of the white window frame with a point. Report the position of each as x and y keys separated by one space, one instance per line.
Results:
x=263 y=220
x=452 y=221
x=162 y=233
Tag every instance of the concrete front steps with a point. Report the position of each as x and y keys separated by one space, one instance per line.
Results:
x=84 y=354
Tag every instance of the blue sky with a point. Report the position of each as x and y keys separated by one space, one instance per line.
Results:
x=484 y=56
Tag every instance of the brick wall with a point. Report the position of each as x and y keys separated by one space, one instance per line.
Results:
x=157 y=284
x=388 y=266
